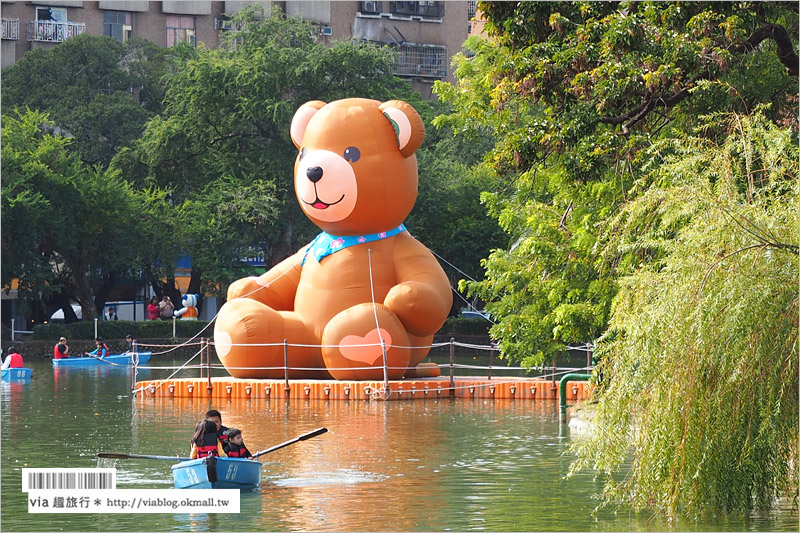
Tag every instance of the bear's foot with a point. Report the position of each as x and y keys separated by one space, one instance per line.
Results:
x=352 y=347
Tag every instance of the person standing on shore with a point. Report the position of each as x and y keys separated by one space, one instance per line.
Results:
x=165 y=308
x=152 y=309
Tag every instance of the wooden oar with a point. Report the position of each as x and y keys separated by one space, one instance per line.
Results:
x=101 y=359
x=307 y=436
x=111 y=455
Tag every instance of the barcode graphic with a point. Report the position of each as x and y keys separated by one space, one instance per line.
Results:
x=68 y=478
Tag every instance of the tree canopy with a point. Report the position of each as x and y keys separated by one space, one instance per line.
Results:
x=95 y=89
x=69 y=220
x=700 y=362
x=575 y=92
x=646 y=171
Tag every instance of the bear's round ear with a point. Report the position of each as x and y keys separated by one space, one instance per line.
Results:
x=301 y=118
x=407 y=125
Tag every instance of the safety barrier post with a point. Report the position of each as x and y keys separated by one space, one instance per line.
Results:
x=554 y=387
x=12 y=328
x=209 y=387
x=133 y=374
x=208 y=365
x=491 y=361
x=202 y=354
x=286 y=388
x=95 y=327
x=173 y=327
x=385 y=368
x=588 y=357
x=452 y=366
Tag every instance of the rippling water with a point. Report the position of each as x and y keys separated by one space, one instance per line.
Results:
x=432 y=465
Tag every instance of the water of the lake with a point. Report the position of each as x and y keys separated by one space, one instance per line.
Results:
x=432 y=465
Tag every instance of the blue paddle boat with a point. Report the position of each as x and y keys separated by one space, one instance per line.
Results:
x=16 y=374
x=231 y=473
x=124 y=359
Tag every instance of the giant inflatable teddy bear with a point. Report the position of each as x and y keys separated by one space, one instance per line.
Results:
x=364 y=281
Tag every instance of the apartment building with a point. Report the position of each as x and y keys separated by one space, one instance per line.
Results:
x=426 y=34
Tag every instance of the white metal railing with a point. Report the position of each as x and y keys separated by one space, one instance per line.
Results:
x=11 y=29
x=424 y=61
x=53 y=32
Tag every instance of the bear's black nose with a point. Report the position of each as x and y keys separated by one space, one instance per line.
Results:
x=314 y=174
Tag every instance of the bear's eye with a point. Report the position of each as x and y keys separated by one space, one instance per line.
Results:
x=352 y=154
x=302 y=153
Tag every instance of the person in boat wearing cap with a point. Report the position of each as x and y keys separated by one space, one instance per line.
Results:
x=61 y=350
x=235 y=446
x=222 y=431
x=205 y=442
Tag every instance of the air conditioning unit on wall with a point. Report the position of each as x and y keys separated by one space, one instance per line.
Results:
x=371 y=7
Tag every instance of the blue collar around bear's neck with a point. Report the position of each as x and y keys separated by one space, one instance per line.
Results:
x=327 y=244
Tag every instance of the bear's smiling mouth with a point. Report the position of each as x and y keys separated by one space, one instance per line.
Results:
x=319 y=204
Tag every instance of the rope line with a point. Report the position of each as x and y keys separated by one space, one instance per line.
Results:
x=372 y=295
x=134 y=391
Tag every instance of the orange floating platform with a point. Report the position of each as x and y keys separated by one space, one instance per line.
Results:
x=406 y=389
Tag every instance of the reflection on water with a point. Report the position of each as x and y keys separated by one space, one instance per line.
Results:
x=432 y=465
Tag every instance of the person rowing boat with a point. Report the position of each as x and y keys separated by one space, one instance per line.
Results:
x=101 y=351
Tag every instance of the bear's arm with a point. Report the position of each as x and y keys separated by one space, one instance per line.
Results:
x=422 y=297
x=275 y=288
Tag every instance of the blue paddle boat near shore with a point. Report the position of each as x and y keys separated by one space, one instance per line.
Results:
x=16 y=374
x=225 y=473
x=124 y=359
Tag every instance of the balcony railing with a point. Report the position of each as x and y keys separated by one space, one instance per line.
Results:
x=49 y=31
x=422 y=61
x=11 y=29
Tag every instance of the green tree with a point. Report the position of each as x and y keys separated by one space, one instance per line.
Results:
x=448 y=216
x=700 y=362
x=95 y=89
x=574 y=92
x=71 y=229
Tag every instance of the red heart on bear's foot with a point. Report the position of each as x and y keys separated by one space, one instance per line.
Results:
x=366 y=349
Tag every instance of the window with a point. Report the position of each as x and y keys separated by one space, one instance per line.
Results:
x=51 y=25
x=179 y=30
x=56 y=14
x=420 y=9
x=117 y=24
x=369 y=7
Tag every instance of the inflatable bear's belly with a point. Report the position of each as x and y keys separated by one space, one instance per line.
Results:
x=342 y=280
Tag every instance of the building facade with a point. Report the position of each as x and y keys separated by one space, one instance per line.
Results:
x=425 y=34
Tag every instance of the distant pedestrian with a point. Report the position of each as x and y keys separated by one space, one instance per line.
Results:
x=165 y=308
x=111 y=314
x=152 y=309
